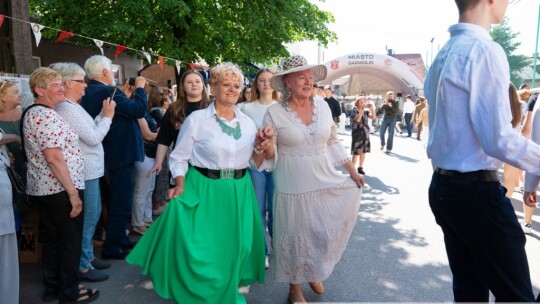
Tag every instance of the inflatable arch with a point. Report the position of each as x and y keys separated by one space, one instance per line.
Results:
x=397 y=74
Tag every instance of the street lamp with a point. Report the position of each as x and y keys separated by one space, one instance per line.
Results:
x=536 y=50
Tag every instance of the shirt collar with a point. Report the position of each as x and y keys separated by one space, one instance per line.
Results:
x=476 y=29
x=211 y=112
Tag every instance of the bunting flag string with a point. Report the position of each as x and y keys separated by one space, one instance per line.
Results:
x=99 y=44
x=161 y=62
x=119 y=49
x=37 y=28
x=64 y=35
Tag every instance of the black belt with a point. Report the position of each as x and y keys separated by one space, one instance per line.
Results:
x=222 y=174
x=480 y=175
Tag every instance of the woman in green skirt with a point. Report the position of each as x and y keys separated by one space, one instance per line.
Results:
x=208 y=241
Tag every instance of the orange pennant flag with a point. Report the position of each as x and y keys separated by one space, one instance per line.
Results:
x=161 y=62
x=2 y=19
x=119 y=50
x=63 y=35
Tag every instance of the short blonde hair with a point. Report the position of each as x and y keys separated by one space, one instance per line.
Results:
x=41 y=77
x=4 y=86
x=227 y=69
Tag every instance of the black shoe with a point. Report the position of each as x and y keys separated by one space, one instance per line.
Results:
x=100 y=265
x=129 y=246
x=93 y=275
x=49 y=295
x=118 y=256
x=361 y=171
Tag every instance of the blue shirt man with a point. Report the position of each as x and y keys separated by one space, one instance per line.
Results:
x=470 y=136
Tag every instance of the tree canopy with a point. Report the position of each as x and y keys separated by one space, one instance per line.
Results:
x=503 y=35
x=189 y=30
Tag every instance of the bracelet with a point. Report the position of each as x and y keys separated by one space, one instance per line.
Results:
x=257 y=151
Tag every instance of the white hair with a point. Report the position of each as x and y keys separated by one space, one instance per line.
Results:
x=94 y=65
x=68 y=70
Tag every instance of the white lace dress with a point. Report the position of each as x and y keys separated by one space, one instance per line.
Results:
x=315 y=206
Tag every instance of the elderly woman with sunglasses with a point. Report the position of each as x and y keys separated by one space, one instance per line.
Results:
x=209 y=239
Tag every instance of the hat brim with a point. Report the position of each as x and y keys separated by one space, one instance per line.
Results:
x=319 y=73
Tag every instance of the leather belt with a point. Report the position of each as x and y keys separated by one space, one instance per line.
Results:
x=222 y=174
x=480 y=175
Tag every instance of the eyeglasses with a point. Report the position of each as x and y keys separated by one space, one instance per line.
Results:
x=78 y=80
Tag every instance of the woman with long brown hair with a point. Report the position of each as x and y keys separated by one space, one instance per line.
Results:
x=192 y=96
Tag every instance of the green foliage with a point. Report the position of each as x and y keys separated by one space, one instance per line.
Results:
x=189 y=30
x=503 y=35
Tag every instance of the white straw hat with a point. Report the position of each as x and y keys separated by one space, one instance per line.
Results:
x=297 y=63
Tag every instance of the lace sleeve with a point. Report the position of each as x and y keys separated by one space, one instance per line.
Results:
x=337 y=152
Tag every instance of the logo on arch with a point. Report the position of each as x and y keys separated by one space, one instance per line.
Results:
x=387 y=62
x=334 y=64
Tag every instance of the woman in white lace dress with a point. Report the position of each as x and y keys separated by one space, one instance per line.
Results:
x=315 y=206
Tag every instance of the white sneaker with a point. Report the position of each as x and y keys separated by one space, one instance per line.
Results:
x=527 y=228
x=266 y=262
x=243 y=289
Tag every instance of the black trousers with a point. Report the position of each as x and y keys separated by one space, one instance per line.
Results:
x=484 y=241
x=122 y=186
x=62 y=241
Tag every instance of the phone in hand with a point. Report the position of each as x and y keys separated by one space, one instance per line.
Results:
x=131 y=81
x=169 y=84
x=112 y=94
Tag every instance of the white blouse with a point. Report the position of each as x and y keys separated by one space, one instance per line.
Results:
x=255 y=110
x=202 y=142
x=91 y=133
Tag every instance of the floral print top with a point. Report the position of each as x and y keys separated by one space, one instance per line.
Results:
x=43 y=129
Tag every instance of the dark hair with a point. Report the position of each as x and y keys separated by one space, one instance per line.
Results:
x=465 y=5
x=242 y=97
x=178 y=111
x=255 y=94
x=153 y=97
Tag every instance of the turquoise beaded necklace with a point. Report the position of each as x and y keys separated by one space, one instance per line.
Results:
x=236 y=133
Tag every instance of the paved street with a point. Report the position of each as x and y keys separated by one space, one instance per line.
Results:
x=395 y=254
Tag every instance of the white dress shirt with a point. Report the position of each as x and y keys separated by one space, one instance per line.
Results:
x=202 y=143
x=469 y=112
x=408 y=106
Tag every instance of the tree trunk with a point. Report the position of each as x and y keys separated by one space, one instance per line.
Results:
x=21 y=38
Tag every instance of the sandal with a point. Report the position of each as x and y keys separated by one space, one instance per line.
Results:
x=85 y=296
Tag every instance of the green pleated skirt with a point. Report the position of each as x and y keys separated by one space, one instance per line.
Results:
x=206 y=243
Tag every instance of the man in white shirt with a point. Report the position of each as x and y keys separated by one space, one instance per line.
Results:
x=470 y=136
x=408 y=109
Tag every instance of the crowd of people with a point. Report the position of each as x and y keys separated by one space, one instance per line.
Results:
x=229 y=173
x=222 y=170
